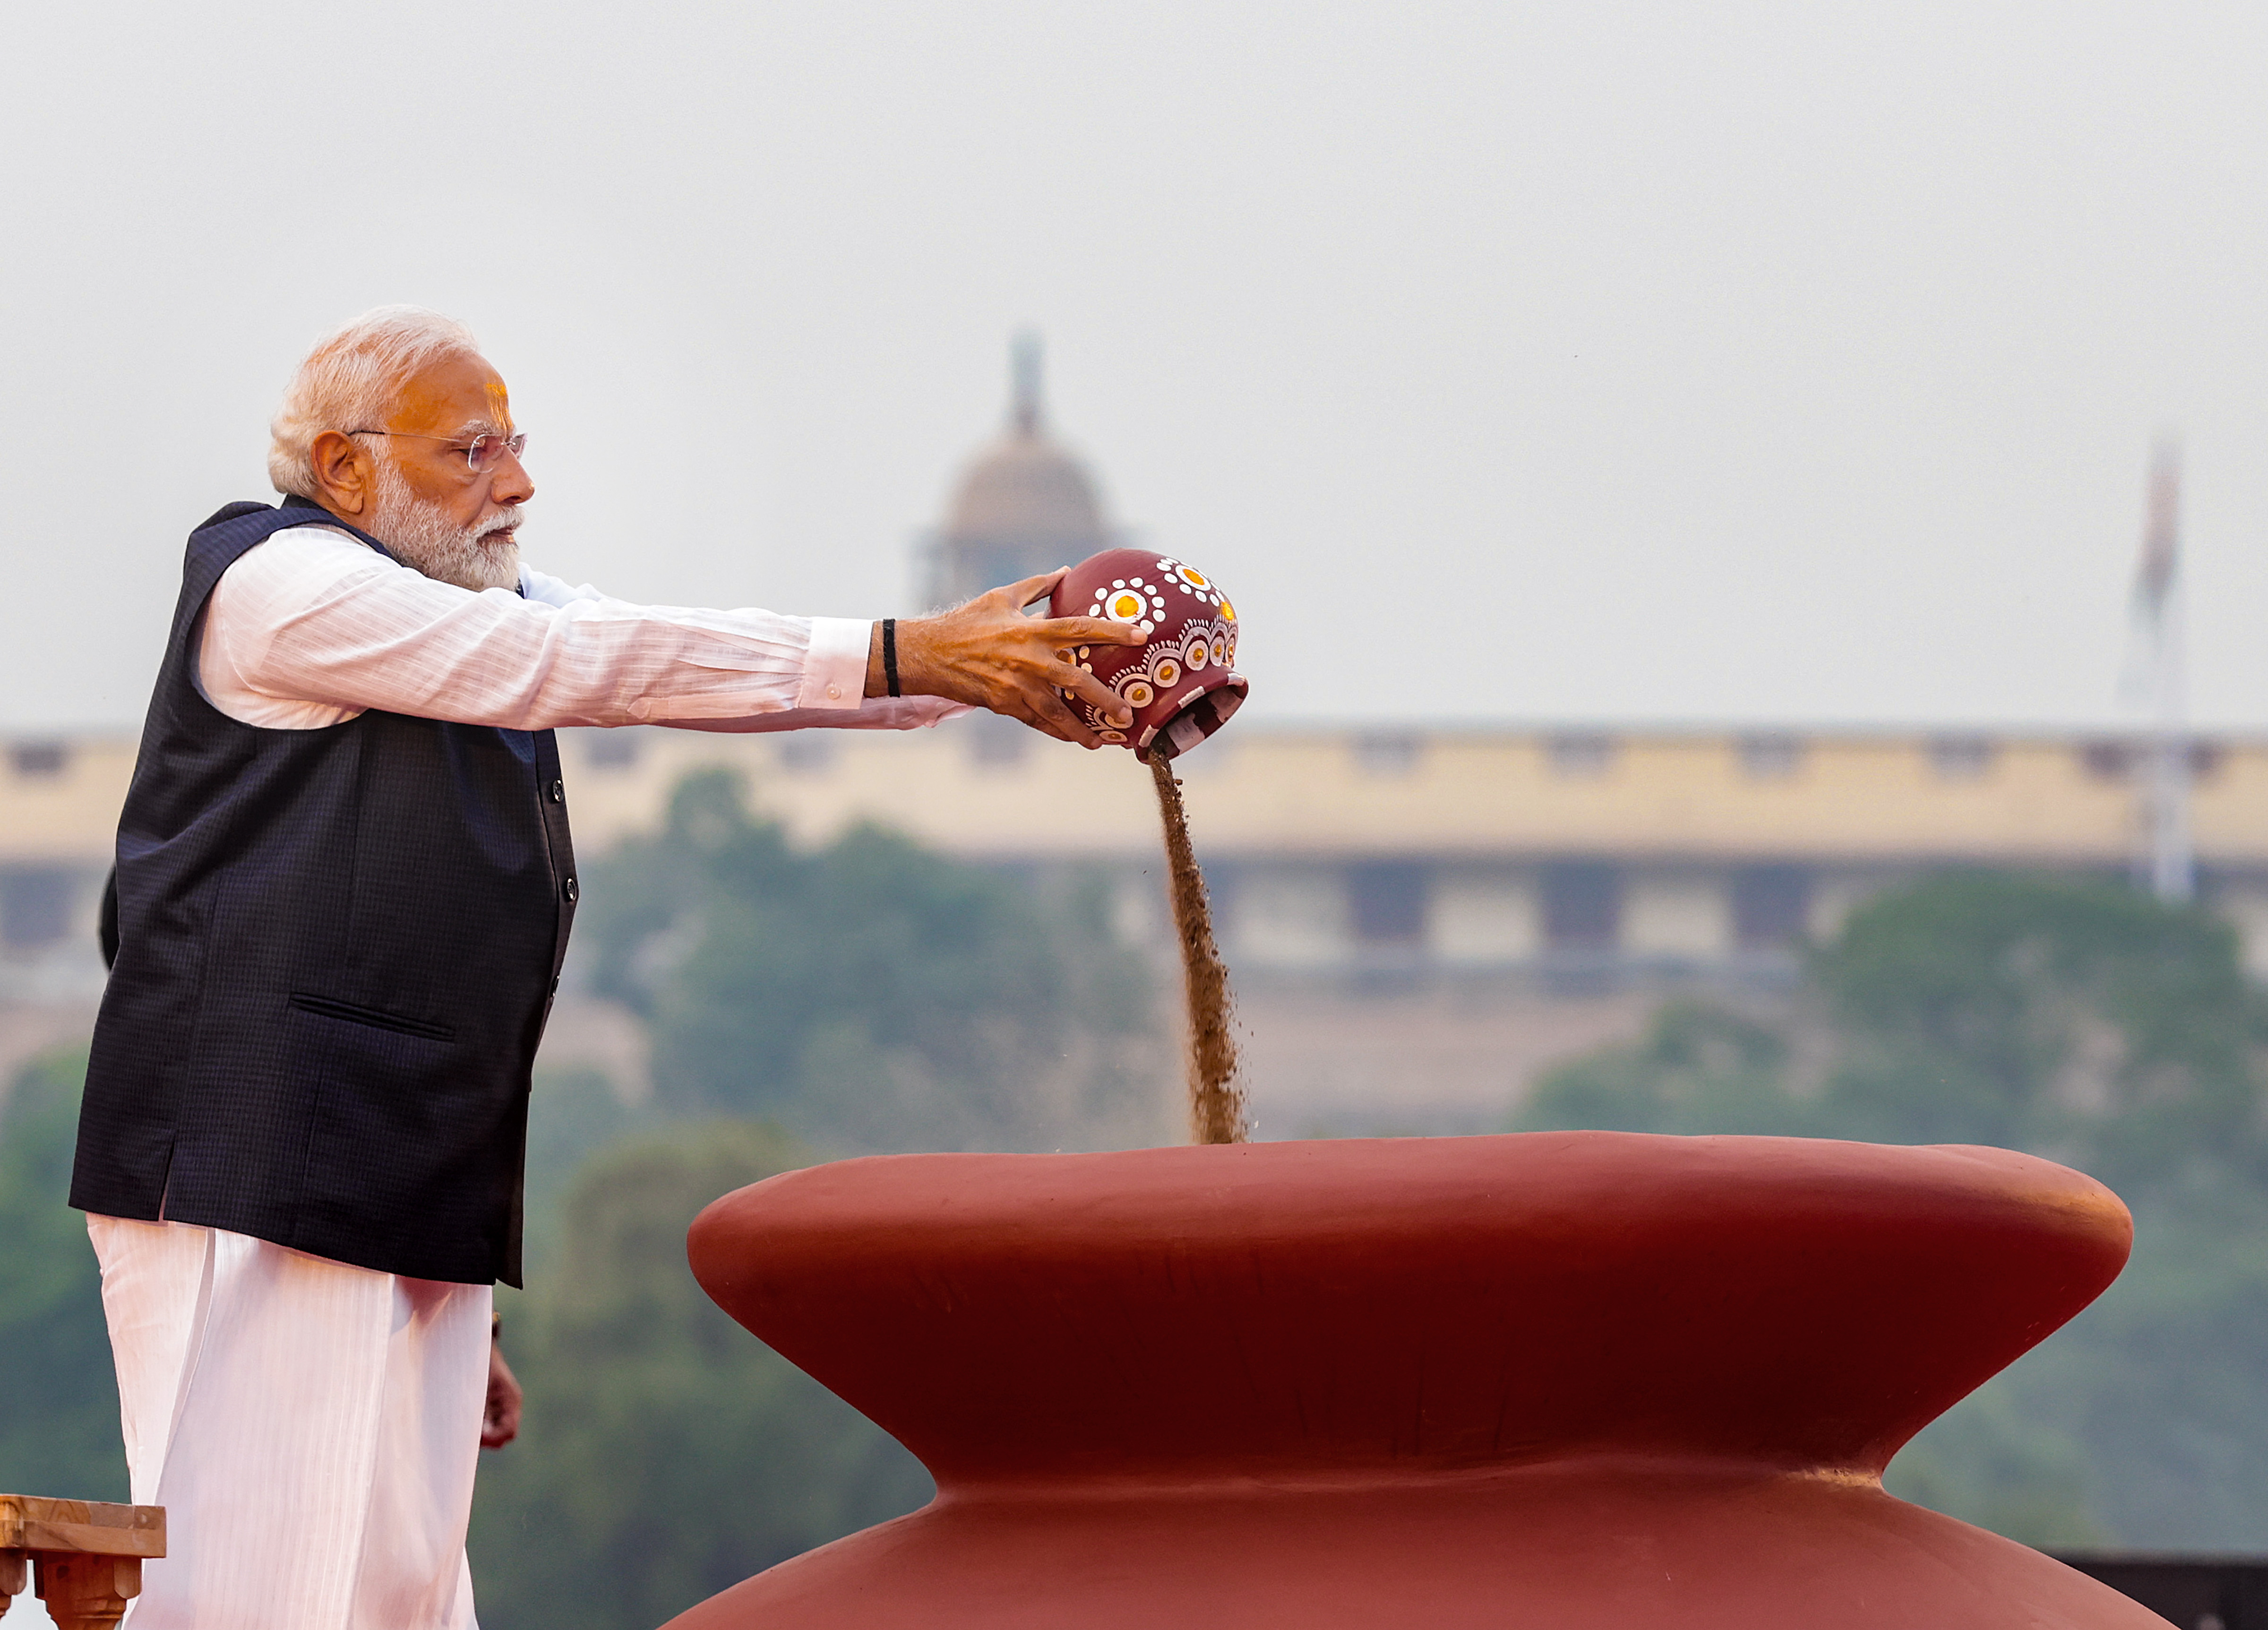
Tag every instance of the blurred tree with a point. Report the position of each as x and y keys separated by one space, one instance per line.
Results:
x=1992 y=1460
x=573 y=1113
x=1697 y=1068
x=58 y=1394
x=2079 y=1019
x=667 y=1453
x=873 y=994
x=2163 y=1383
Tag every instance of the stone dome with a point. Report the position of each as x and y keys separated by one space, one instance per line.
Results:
x=1025 y=486
x=1023 y=507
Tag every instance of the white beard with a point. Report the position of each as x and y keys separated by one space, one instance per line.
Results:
x=421 y=536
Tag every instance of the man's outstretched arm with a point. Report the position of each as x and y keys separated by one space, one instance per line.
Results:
x=310 y=628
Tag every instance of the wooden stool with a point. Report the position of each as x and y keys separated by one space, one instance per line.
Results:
x=87 y=1555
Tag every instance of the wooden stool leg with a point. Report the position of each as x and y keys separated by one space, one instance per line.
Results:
x=87 y=1592
x=14 y=1577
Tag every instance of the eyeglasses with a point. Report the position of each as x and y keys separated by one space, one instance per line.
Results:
x=482 y=454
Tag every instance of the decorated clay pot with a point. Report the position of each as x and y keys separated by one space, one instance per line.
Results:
x=1181 y=683
x=1583 y=1381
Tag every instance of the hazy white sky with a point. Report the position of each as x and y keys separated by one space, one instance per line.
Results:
x=1565 y=360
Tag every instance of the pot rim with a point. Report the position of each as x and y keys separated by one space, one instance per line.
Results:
x=1296 y=1309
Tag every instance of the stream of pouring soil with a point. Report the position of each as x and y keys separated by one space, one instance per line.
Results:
x=1216 y=1110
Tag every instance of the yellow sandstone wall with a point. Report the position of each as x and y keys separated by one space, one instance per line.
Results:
x=1848 y=798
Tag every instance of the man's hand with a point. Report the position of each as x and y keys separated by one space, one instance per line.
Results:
x=988 y=653
x=501 y=1422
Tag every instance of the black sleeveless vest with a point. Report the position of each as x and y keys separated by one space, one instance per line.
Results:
x=337 y=949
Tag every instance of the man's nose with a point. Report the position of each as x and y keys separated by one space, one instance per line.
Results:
x=512 y=484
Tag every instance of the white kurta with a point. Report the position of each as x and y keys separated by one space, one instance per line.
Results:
x=311 y=1429
x=311 y=627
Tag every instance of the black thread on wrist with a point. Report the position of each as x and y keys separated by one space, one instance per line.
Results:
x=890 y=654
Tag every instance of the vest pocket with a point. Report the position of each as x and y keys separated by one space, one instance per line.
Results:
x=409 y=1141
x=354 y=1014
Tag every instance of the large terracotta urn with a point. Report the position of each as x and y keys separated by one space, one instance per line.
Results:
x=1582 y=1381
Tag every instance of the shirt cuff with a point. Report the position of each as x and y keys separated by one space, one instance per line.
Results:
x=835 y=663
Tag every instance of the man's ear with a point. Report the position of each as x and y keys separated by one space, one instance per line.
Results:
x=346 y=474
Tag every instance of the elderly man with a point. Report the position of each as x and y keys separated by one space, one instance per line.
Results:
x=344 y=888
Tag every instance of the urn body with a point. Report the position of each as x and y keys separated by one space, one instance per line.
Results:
x=1581 y=1381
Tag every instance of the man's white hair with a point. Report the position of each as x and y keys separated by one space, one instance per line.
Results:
x=352 y=379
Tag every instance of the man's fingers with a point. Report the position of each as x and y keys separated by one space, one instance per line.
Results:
x=1093 y=692
x=1066 y=723
x=1036 y=588
x=1018 y=704
x=1060 y=719
x=1088 y=631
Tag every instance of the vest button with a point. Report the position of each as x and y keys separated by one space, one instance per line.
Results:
x=569 y=890
x=558 y=791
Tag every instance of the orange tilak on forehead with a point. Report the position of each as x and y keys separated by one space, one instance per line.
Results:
x=500 y=405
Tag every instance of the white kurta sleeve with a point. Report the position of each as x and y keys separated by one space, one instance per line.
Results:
x=310 y=627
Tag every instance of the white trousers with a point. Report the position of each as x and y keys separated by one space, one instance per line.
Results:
x=310 y=1428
